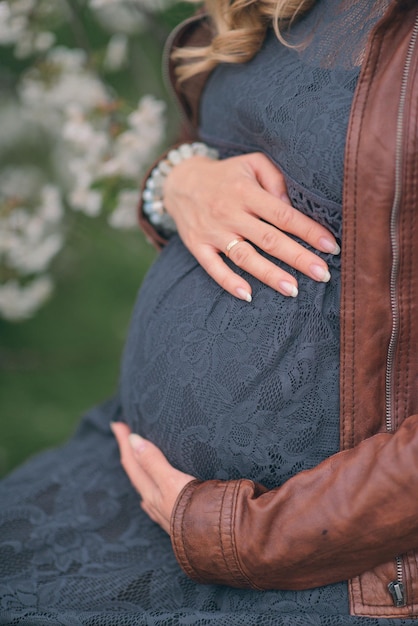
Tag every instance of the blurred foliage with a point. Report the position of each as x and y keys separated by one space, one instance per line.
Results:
x=66 y=359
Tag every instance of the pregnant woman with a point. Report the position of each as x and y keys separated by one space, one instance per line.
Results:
x=302 y=435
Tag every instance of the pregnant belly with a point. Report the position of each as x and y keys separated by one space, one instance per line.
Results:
x=229 y=389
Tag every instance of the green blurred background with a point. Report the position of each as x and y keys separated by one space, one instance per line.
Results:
x=66 y=359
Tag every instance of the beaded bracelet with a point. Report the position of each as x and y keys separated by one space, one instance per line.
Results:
x=152 y=196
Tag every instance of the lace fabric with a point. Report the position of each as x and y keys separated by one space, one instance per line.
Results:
x=226 y=389
x=293 y=104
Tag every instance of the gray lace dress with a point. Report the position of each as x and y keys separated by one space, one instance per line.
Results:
x=225 y=388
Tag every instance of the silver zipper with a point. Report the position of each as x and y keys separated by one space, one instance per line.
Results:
x=396 y=587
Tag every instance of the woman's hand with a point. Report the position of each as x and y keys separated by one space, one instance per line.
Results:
x=157 y=482
x=244 y=198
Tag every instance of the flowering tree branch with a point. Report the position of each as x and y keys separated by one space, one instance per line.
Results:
x=104 y=141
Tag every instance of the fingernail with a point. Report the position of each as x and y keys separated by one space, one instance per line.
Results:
x=320 y=273
x=285 y=198
x=288 y=288
x=137 y=442
x=243 y=294
x=329 y=246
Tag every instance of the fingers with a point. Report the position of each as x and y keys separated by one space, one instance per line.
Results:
x=282 y=214
x=245 y=198
x=244 y=256
x=269 y=176
x=277 y=244
x=214 y=265
x=157 y=482
x=247 y=258
x=141 y=473
x=287 y=219
x=153 y=465
x=151 y=460
x=128 y=460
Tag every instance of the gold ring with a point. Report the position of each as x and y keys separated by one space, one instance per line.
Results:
x=232 y=244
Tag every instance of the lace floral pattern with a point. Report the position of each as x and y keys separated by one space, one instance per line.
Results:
x=77 y=550
x=294 y=104
x=225 y=388
x=249 y=390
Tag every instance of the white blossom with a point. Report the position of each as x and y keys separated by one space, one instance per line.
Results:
x=82 y=135
x=116 y=52
x=120 y=17
x=148 y=113
x=88 y=201
x=9 y=240
x=60 y=113
x=33 y=257
x=73 y=84
x=132 y=147
x=23 y=6
x=17 y=128
x=19 y=302
x=44 y=41
x=19 y=182
x=51 y=209
x=30 y=232
x=99 y=4
x=11 y=26
x=125 y=214
x=19 y=26
x=17 y=221
x=150 y=5
x=33 y=43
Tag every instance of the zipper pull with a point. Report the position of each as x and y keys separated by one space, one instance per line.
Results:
x=397 y=593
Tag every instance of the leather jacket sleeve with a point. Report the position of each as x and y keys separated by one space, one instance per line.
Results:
x=355 y=510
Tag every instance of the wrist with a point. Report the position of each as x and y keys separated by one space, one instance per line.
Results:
x=155 y=187
x=182 y=182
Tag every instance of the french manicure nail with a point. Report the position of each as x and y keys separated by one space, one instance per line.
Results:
x=329 y=246
x=243 y=294
x=137 y=442
x=320 y=273
x=288 y=288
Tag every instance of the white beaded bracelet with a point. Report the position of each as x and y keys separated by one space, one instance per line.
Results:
x=152 y=196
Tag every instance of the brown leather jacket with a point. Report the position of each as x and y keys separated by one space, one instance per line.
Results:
x=355 y=516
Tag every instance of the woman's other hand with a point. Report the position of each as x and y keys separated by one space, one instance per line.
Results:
x=157 y=482
x=244 y=198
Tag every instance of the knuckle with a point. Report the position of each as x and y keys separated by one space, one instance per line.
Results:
x=268 y=276
x=310 y=232
x=218 y=210
x=224 y=283
x=284 y=216
x=240 y=253
x=298 y=259
x=269 y=241
x=239 y=185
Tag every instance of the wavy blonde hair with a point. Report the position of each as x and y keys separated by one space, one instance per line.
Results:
x=240 y=27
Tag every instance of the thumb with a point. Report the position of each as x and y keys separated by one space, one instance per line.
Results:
x=270 y=177
x=149 y=457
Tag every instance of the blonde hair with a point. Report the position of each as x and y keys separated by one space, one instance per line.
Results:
x=240 y=27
